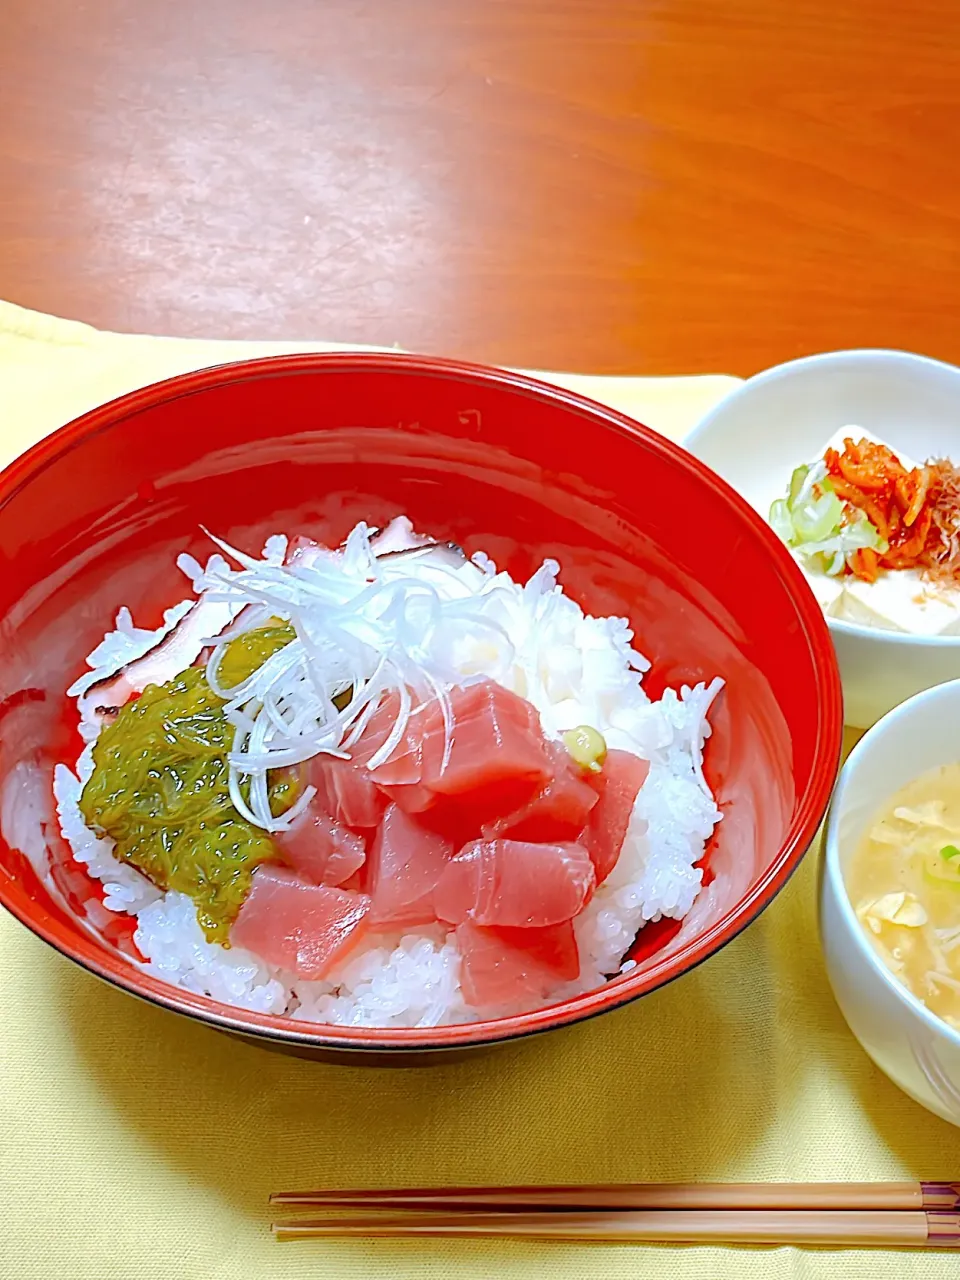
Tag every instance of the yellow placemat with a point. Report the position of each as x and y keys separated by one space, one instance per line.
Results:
x=136 y=1144
x=52 y=370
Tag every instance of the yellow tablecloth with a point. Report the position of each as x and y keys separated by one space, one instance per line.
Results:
x=136 y=1144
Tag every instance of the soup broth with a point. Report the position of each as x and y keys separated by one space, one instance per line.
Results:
x=904 y=884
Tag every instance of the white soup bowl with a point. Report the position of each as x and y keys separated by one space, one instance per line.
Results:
x=916 y=1049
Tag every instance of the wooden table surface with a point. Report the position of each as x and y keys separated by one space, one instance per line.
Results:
x=658 y=186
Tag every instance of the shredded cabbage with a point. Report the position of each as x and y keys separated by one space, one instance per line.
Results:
x=823 y=530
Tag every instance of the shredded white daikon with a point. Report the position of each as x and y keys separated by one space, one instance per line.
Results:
x=365 y=626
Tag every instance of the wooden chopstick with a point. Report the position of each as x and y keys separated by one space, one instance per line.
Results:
x=839 y=1229
x=831 y=1196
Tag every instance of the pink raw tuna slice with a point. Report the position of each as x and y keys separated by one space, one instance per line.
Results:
x=618 y=784
x=377 y=731
x=515 y=883
x=515 y=966
x=498 y=757
x=345 y=791
x=559 y=812
x=321 y=849
x=298 y=926
x=406 y=861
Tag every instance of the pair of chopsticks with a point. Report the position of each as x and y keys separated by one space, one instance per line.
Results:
x=838 y=1214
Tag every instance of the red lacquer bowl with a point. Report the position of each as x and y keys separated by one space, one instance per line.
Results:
x=94 y=516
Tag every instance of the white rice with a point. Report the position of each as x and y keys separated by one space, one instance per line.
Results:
x=576 y=670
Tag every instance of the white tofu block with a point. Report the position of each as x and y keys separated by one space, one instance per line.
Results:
x=826 y=589
x=900 y=600
x=855 y=433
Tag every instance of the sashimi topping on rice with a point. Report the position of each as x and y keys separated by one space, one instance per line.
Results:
x=384 y=785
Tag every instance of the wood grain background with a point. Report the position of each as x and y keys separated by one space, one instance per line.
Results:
x=604 y=185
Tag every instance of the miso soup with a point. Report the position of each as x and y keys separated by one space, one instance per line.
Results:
x=904 y=884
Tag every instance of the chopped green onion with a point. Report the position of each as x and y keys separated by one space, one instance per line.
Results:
x=587 y=747
x=817 y=519
x=781 y=521
x=825 y=531
x=950 y=851
x=796 y=484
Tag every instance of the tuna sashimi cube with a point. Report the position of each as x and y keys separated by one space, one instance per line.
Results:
x=345 y=791
x=298 y=926
x=515 y=883
x=504 y=967
x=321 y=849
x=618 y=785
x=496 y=738
x=559 y=812
x=404 y=761
x=498 y=757
x=406 y=861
